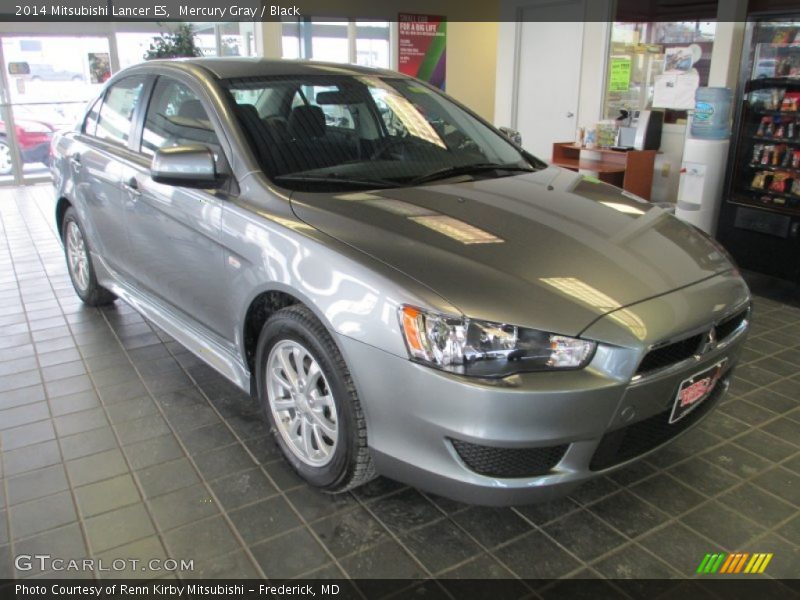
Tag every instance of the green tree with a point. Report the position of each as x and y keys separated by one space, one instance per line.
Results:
x=174 y=44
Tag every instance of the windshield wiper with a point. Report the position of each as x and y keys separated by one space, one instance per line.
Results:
x=333 y=178
x=468 y=170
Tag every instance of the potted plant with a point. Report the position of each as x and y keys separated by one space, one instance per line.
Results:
x=174 y=44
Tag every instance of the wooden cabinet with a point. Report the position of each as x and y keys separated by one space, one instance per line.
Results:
x=632 y=170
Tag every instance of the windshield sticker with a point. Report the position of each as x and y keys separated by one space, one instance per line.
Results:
x=457 y=230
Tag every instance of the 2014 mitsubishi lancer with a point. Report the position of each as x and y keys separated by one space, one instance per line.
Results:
x=405 y=290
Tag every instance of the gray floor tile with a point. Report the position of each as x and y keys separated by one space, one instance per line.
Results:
x=289 y=555
x=245 y=487
x=201 y=539
x=223 y=461
x=110 y=494
x=491 y=526
x=723 y=526
x=74 y=403
x=781 y=482
x=551 y=561
x=678 y=546
x=96 y=467
x=633 y=562
x=87 y=443
x=182 y=506
x=757 y=505
x=145 y=428
x=143 y=550
x=23 y=415
x=118 y=527
x=264 y=519
x=584 y=535
x=349 y=532
x=31 y=458
x=36 y=484
x=167 y=477
x=153 y=451
x=78 y=422
x=42 y=514
x=440 y=545
x=628 y=514
x=313 y=504
x=667 y=494
x=64 y=542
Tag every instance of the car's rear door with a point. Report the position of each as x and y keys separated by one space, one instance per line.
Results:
x=173 y=232
x=96 y=162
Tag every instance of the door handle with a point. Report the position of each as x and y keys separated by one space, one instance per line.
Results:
x=132 y=187
x=570 y=114
x=75 y=161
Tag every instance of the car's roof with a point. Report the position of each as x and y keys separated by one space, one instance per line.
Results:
x=233 y=68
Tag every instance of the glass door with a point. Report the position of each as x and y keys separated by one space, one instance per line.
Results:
x=49 y=81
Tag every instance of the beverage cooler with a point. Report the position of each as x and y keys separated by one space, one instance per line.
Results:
x=760 y=215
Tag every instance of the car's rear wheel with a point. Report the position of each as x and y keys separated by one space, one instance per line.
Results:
x=310 y=401
x=79 y=263
x=5 y=157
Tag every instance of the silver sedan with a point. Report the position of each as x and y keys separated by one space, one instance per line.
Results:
x=404 y=289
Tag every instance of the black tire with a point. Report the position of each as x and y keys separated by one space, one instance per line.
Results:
x=351 y=464
x=93 y=294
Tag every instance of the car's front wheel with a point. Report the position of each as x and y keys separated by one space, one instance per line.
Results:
x=79 y=263
x=310 y=401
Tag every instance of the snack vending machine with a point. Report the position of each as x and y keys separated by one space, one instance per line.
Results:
x=759 y=220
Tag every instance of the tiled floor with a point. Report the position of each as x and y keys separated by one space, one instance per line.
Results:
x=118 y=443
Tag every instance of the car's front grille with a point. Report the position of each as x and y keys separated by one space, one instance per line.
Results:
x=669 y=354
x=632 y=440
x=727 y=326
x=509 y=462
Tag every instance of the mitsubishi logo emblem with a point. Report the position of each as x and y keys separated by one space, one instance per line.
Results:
x=709 y=343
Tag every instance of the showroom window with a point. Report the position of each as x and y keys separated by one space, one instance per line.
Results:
x=638 y=54
x=365 y=43
x=51 y=77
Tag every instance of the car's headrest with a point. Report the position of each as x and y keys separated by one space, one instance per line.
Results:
x=192 y=109
x=307 y=122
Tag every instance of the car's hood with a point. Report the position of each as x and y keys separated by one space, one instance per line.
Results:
x=550 y=249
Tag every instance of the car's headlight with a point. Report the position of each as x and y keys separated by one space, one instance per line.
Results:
x=484 y=349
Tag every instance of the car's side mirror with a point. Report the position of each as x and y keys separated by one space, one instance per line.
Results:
x=512 y=134
x=191 y=165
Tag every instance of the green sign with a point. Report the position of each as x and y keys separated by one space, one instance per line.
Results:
x=620 y=78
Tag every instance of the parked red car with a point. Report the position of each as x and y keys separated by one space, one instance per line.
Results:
x=33 y=138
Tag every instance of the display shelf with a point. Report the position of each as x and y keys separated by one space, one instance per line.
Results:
x=788 y=141
x=751 y=202
x=760 y=167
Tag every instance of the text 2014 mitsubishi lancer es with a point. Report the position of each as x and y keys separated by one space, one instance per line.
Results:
x=404 y=290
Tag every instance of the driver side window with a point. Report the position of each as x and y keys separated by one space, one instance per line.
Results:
x=175 y=117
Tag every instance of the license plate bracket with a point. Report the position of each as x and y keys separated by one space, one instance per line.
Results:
x=693 y=391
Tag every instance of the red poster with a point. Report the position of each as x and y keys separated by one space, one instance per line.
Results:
x=422 y=47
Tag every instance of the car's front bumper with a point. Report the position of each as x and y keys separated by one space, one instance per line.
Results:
x=415 y=412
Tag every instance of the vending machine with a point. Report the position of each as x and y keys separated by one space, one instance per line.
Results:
x=759 y=220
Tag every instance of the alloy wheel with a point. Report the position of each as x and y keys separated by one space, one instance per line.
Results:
x=302 y=403
x=77 y=257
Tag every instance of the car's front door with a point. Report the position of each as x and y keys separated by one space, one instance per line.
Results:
x=174 y=232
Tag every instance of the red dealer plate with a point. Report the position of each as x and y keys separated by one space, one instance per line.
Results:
x=694 y=390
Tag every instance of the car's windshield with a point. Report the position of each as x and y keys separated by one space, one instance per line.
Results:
x=335 y=132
